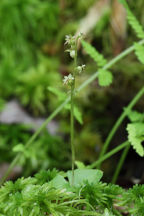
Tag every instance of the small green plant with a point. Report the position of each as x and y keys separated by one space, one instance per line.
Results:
x=46 y=154
x=80 y=191
x=72 y=42
x=49 y=193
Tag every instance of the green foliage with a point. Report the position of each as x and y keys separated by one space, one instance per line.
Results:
x=139 y=51
x=25 y=27
x=135 y=116
x=25 y=197
x=82 y=175
x=136 y=131
x=45 y=176
x=10 y=136
x=108 y=213
x=93 y=53
x=61 y=96
x=51 y=192
x=134 y=195
x=31 y=21
x=45 y=194
x=44 y=153
x=105 y=77
x=32 y=85
x=21 y=148
x=31 y=196
x=100 y=195
x=136 y=136
x=80 y=165
x=77 y=113
x=133 y=21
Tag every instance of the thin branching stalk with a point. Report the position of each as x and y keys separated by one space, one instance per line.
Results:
x=109 y=154
x=59 y=108
x=119 y=121
x=120 y=164
x=72 y=114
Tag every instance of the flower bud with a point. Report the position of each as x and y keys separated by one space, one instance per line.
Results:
x=72 y=53
x=80 y=68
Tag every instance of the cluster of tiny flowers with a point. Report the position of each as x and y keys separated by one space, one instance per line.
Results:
x=68 y=79
x=71 y=41
x=80 y=68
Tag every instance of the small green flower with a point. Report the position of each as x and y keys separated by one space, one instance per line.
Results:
x=70 y=40
x=68 y=79
x=72 y=53
x=80 y=68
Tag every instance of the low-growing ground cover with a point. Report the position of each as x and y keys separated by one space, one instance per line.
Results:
x=51 y=193
x=81 y=191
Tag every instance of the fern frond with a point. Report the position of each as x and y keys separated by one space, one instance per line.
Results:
x=132 y=20
x=105 y=77
x=93 y=53
x=139 y=51
x=135 y=116
x=136 y=137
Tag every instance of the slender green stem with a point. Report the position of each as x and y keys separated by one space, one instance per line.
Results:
x=119 y=121
x=109 y=154
x=108 y=65
x=72 y=115
x=58 y=109
x=120 y=164
x=72 y=132
x=14 y=162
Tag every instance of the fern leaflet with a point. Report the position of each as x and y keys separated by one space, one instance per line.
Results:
x=105 y=77
x=132 y=20
x=136 y=136
x=135 y=116
x=93 y=53
x=139 y=51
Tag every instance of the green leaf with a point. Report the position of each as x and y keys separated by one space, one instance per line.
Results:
x=21 y=148
x=77 y=113
x=80 y=165
x=105 y=77
x=132 y=20
x=136 y=137
x=139 y=51
x=93 y=53
x=82 y=175
x=61 y=95
x=108 y=213
x=135 y=116
x=58 y=182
